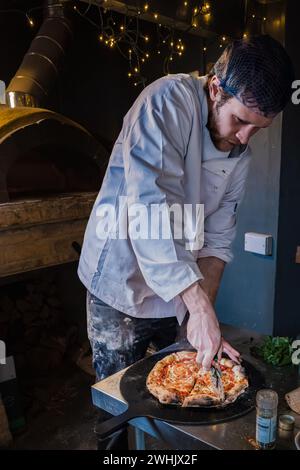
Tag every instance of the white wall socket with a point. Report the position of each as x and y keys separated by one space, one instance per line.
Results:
x=260 y=243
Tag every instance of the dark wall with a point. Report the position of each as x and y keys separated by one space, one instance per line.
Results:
x=287 y=300
x=15 y=38
x=246 y=297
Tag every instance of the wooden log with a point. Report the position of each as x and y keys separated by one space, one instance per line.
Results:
x=40 y=233
x=29 y=212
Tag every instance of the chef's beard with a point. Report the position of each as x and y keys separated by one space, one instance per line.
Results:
x=213 y=125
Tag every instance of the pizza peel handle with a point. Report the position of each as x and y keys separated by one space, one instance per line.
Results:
x=108 y=427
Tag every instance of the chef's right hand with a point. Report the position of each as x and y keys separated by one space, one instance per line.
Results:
x=203 y=330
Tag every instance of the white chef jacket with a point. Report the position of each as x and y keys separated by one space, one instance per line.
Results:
x=164 y=154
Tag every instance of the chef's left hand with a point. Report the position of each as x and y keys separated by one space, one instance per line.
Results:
x=229 y=350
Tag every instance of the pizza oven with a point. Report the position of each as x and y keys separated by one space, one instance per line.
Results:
x=50 y=166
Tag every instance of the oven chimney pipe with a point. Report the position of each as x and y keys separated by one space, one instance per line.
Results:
x=44 y=60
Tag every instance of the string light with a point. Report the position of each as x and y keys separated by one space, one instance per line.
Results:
x=128 y=32
x=116 y=34
x=30 y=20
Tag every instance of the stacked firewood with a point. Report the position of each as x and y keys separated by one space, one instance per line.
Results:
x=33 y=327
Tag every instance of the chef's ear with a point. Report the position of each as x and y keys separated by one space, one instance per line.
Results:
x=214 y=89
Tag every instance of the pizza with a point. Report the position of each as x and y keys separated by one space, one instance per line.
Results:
x=179 y=379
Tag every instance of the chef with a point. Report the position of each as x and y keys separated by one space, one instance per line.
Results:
x=183 y=144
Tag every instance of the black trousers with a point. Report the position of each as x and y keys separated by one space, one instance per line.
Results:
x=117 y=341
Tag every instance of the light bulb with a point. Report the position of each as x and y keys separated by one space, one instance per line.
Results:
x=30 y=21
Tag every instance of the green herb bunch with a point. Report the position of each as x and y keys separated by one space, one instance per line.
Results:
x=275 y=350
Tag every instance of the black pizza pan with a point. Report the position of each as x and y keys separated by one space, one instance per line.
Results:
x=142 y=404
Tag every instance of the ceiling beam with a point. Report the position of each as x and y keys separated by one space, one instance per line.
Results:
x=123 y=8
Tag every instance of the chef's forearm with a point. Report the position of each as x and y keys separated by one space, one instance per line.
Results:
x=212 y=269
x=196 y=299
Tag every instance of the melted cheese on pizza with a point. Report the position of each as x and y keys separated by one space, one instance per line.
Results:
x=178 y=377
